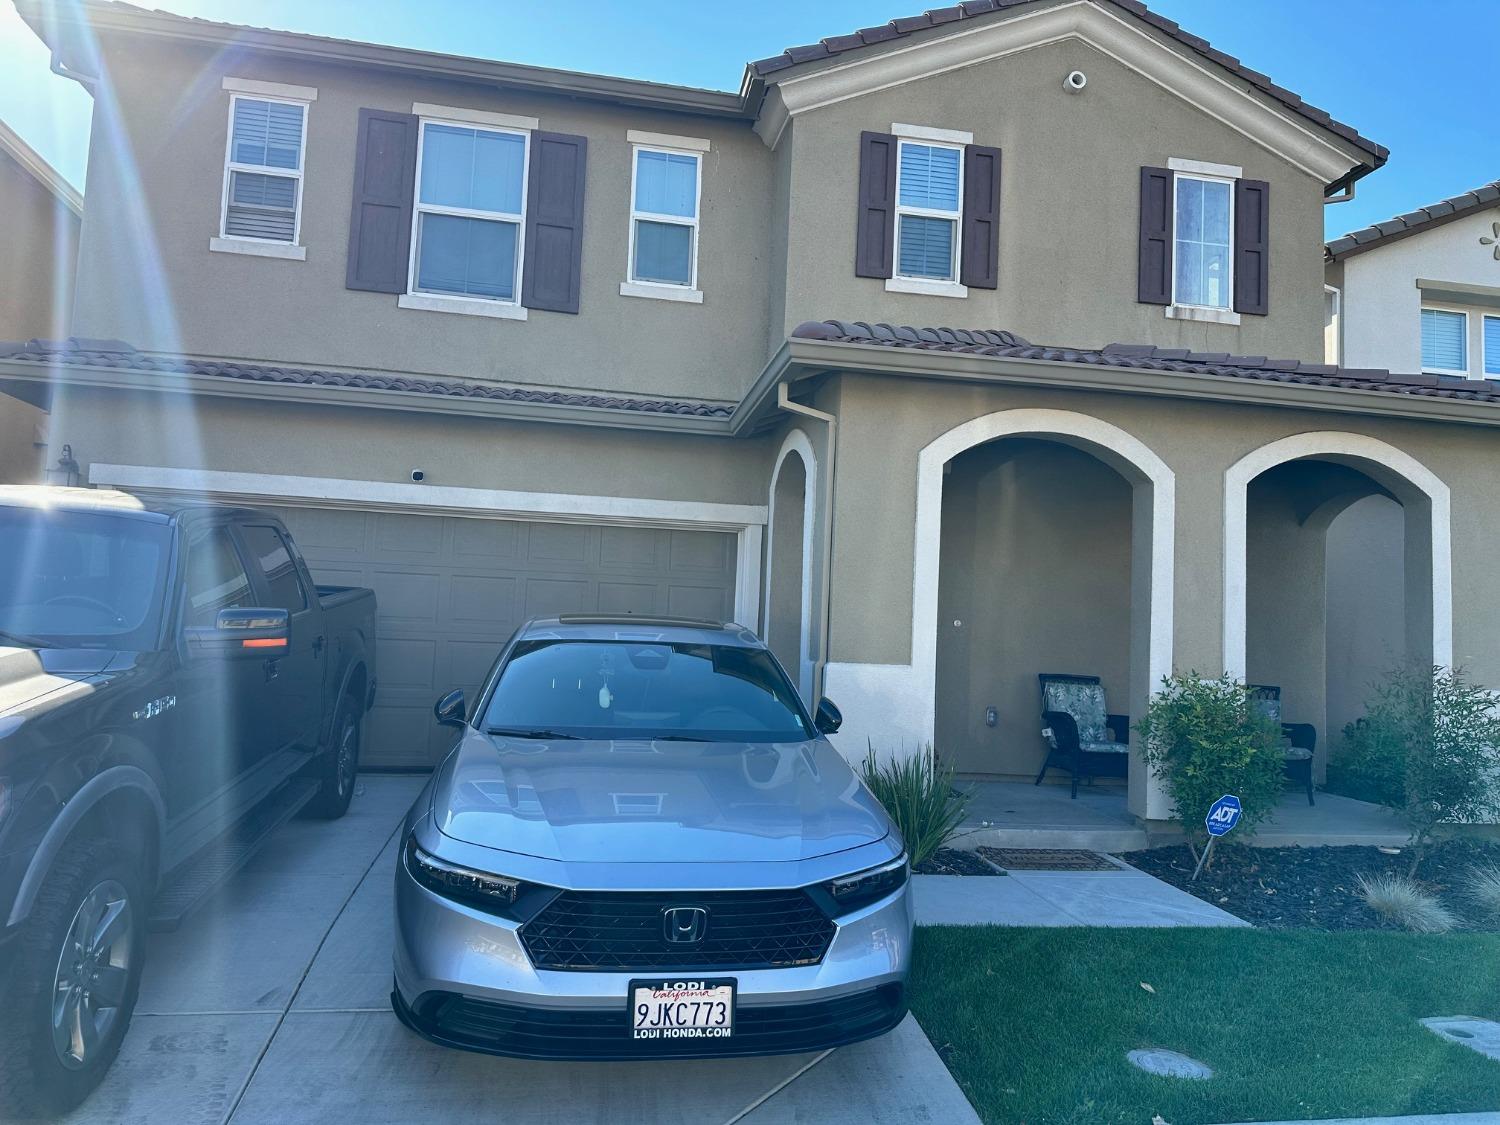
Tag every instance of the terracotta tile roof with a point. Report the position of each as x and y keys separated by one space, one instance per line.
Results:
x=118 y=355
x=1414 y=222
x=936 y=17
x=1148 y=357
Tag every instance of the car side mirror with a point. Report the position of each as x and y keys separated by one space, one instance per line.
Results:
x=829 y=718
x=449 y=710
x=247 y=633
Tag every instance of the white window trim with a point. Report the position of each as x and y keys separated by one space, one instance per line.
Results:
x=1461 y=372
x=1484 y=354
x=667 y=140
x=271 y=89
x=1206 y=168
x=899 y=282
x=1180 y=310
x=258 y=248
x=415 y=298
x=1335 y=325
x=928 y=133
x=231 y=166
x=456 y=115
x=663 y=290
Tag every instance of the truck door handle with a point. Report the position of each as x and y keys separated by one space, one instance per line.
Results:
x=317 y=645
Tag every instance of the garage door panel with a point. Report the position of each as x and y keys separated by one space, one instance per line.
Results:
x=451 y=589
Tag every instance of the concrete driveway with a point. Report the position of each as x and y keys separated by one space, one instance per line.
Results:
x=272 y=1005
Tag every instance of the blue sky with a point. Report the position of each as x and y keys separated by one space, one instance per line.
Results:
x=1417 y=77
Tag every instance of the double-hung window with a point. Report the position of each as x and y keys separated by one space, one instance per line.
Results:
x=665 y=192
x=1203 y=227
x=1445 y=341
x=468 y=237
x=1492 y=346
x=928 y=208
x=263 y=170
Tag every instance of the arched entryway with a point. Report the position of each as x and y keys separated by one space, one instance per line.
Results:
x=1336 y=566
x=788 y=587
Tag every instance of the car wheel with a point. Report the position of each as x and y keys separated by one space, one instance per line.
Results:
x=340 y=764
x=74 y=979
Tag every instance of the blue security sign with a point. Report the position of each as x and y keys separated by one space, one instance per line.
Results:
x=1223 y=815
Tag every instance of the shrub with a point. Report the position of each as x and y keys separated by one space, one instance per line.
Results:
x=1206 y=739
x=1404 y=902
x=920 y=798
x=1428 y=747
x=1482 y=888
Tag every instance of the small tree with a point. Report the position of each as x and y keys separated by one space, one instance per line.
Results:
x=1428 y=747
x=1207 y=739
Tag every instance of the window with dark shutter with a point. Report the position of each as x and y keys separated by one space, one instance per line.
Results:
x=1154 y=278
x=876 y=226
x=554 y=222
x=385 y=168
x=981 y=217
x=1252 y=249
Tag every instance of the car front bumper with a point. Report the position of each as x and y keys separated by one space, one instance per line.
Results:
x=463 y=979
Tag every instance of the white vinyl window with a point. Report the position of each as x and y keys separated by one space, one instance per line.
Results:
x=1445 y=341
x=468 y=230
x=1203 y=228
x=665 y=190
x=1491 y=328
x=928 y=204
x=263 y=170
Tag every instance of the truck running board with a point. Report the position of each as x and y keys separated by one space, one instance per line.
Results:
x=196 y=880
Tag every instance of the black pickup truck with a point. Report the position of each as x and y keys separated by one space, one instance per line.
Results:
x=173 y=687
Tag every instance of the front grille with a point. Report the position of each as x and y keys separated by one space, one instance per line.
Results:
x=605 y=931
x=510 y=1029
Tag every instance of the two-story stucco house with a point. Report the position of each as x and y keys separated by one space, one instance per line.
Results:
x=501 y=340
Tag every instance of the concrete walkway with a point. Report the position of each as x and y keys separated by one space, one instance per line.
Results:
x=1123 y=897
x=271 y=1005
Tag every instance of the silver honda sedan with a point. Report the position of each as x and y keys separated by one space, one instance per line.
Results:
x=642 y=845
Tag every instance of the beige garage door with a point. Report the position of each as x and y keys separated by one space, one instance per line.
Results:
x=451 y=589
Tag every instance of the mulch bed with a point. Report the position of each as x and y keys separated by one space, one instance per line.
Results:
x=1315 y=888
x=951 y=861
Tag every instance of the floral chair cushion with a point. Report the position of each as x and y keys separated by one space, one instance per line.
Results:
x=1085 y=702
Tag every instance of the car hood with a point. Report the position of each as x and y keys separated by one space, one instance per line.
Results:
x=653 y=802
x=30 y=674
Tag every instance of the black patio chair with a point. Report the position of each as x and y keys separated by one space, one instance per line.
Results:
x=1299 y=740
x=1076 y=725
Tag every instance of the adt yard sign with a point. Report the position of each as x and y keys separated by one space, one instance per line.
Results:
x=1223 y=815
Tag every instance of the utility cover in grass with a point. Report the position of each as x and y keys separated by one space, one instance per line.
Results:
x=1476 y=1034
x=1168 y=1064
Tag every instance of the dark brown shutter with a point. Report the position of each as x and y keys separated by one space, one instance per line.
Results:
x=1252 y=247
x=875 y=237
x=385 y=172
x=554 y=222
x=1154 y=278
x=981 y=221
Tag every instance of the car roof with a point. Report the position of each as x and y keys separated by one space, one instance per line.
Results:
x=109 y=500
x=639 y=627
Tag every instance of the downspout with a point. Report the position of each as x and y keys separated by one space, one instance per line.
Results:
x=784 y=402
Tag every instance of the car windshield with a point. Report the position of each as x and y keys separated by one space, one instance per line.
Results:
x=613 y=689
x=80 y=579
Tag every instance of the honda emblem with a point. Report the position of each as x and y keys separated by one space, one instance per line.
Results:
x=684 y=925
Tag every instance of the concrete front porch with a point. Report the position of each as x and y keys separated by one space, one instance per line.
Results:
x=1017 y=814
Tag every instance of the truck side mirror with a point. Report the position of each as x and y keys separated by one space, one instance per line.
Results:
x=246 y=633
x=829 y=718
x=450 y=709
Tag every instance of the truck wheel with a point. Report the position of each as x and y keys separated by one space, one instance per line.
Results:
x=74 y=980
x=340 y=764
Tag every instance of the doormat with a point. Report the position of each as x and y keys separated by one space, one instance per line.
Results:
x=1046 y=859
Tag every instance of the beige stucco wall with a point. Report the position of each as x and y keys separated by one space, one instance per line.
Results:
x=1070 y=204
x=1037 y=578
x=1366 y=583
x=148 y=277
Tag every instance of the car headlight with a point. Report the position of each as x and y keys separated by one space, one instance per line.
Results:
x=479 y=889
x=864 y=887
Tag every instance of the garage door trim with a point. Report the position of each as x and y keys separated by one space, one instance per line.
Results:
x=746 y=521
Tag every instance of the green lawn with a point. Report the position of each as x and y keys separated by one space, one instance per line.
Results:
x=1035 y=1023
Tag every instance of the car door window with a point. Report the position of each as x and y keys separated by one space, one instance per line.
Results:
x=275 y=559
x=216 y=578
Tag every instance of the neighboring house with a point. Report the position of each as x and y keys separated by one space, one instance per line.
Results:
x=499 y=340
x=38 y=247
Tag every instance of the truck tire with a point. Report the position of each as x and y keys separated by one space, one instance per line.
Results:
x=338 y=765
x=86 y=940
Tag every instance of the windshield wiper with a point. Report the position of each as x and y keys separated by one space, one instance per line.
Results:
x=516 y=732
x=23 y=640
x=677 y=738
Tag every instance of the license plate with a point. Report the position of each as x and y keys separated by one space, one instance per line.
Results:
x=681 y=1009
